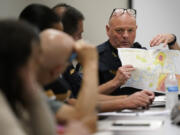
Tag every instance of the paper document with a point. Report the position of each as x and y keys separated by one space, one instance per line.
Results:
x=160 y=99
x=142 y=112
x=152 y=67
x=118 y=114
x=154 y=113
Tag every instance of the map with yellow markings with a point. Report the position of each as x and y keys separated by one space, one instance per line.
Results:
x=152 y=67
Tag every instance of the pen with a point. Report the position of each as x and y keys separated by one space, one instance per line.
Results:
x=131 y=124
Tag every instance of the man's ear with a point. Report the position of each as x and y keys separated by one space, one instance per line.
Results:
x=107 y=30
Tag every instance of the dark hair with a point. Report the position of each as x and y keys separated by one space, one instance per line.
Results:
x=70 y=18
x=39 y=15
x=16 y=40
x=61 y=5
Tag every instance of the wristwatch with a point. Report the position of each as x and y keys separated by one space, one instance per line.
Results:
x=172 y=42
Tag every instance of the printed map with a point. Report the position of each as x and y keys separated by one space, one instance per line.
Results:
x=152 y=67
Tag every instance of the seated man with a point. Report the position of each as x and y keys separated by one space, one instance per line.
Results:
x=56 y=44
x=43 y=17
x=121 y=30
x=72 y=20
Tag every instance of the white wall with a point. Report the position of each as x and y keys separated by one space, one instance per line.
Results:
x=96 y=13
x=155 y=17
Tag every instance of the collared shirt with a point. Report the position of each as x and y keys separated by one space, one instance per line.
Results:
x=109 y=62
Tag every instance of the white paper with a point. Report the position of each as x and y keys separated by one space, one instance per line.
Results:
x=118 y=114
x=151 y=67
x=160 y=99
x=141 y=112
x=154 y=113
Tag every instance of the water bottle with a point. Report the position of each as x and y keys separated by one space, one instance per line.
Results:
x=171 y=86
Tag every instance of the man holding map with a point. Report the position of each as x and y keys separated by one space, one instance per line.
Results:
x=121 y=30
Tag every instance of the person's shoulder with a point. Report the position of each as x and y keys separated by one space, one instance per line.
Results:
x=3 y=99
x=138 y=45
x=102 y=47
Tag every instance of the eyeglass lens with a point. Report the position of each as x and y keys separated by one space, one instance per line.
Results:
x=122 y=10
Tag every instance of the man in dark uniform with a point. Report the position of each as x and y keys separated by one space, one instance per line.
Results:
x=72 y=20
x=109 y=63
x=121 y=31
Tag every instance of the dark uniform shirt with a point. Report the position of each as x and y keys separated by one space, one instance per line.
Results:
x=59 y=86
x=70 y=80
x=109 y=62
x=73 y=77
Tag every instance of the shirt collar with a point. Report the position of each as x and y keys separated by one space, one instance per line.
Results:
x=112 y=48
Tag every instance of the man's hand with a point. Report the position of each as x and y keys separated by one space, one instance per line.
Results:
x=150 y=94
x=122 y=75
x=161 y=38
x=86 y=53
x=139 y=99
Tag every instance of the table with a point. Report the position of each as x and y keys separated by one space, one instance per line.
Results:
x=166 y=129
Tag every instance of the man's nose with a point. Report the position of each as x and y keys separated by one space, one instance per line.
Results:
x=125 y=34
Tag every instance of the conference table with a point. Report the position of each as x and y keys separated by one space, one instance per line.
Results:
x=152 y=121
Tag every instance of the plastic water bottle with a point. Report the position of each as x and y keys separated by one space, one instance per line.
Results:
x=171 y=86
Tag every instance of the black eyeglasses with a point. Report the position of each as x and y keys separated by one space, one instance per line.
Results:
x=131 y=12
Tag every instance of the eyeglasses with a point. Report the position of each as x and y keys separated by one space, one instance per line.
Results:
x=131 y=12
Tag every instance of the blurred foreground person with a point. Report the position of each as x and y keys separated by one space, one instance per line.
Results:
x=23 y=107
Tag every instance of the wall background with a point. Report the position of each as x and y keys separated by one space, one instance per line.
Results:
x=96 y=13
x=155 y=17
